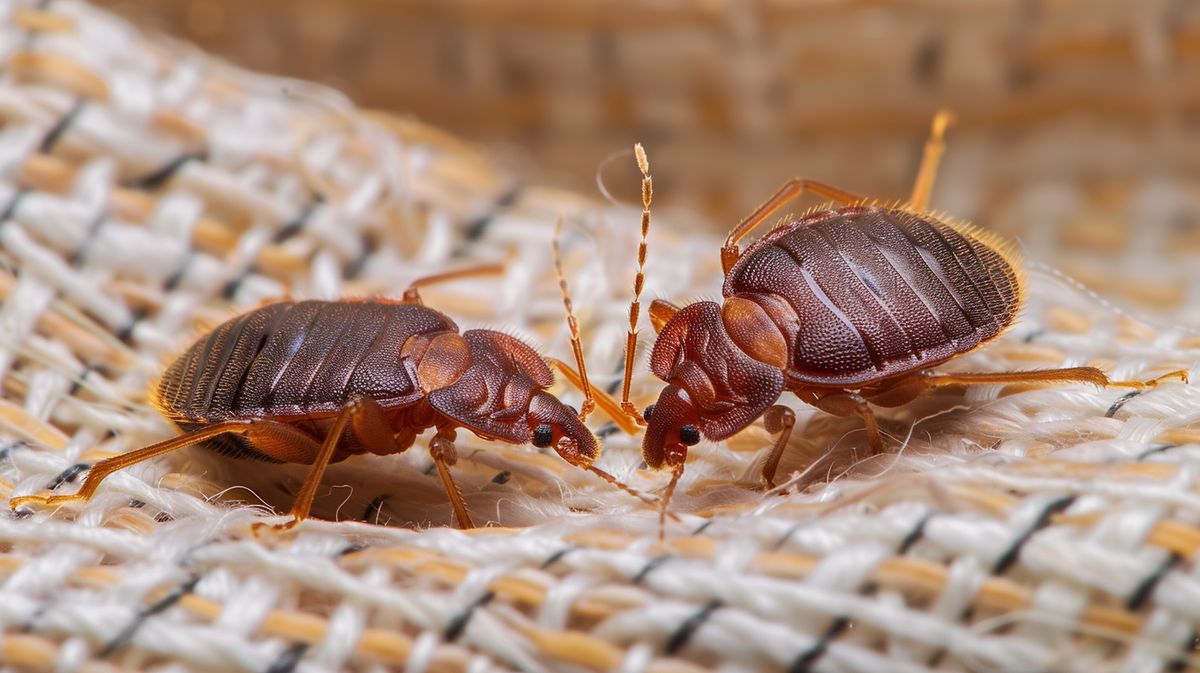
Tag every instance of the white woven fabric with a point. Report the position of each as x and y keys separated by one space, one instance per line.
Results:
x=152 y=193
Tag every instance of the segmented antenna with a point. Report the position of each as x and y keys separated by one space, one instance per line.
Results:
x=589 y=403
x=665 y=501
x=649 y=500
x=635 y=307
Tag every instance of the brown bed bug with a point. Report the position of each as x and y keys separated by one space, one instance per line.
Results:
x=315 y=382
x=845 y=307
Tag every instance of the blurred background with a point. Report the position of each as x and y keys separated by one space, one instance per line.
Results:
x=1078 y=131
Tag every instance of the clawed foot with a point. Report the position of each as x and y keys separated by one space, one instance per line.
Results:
x=48 y=500
x=1177 y=375
x=275 y=528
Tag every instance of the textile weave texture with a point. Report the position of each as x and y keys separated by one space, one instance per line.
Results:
x=148 y=193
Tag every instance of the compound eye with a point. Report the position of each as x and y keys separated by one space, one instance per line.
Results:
x=648 y=412
x=542 y=436
x=689 y=435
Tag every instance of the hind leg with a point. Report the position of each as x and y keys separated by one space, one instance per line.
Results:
x=934 y=147
x=787 y=191
x=257 y=432
x=412 y=294
x=910 y=387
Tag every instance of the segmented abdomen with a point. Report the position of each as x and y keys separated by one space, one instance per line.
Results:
x=877 y=292
x=294 y=359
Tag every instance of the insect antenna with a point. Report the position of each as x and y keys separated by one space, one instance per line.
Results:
x=635 y=306
x=593 y=397
x=648 y=499
x=665 y=502
x=585 y=385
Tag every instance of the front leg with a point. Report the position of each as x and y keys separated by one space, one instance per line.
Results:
x=778 y=420
x=845 y=403
x=444 y=454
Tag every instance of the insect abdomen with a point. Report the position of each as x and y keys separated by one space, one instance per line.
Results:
x=296 y=359
x=877 y=292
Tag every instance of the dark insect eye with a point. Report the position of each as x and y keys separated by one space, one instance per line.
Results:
x=648 y=412
x=542 y=436
x=689 y=435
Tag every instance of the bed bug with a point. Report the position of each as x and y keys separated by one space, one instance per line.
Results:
x=845 y=307
x=314 y=382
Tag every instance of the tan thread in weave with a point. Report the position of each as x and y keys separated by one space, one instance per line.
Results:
x=576 y=574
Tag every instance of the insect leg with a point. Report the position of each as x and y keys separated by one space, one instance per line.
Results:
x=412 y=294
x=786 y=192
x=934 y=147
x=914 y=385
x=373 y=430
x=351 y=410
x=102 y=469
x=661 y=312
x=778 y=419
x=1178 y=375
x=846 y=403
x=606 y=402
x=441 y=448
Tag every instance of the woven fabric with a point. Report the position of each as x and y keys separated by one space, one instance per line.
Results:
x=149 y=193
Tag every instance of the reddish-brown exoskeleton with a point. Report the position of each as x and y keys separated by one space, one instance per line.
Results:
x=315 y=382
x=844 y=307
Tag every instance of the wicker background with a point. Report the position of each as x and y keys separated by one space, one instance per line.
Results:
x=148 y=192
x=1077 y=128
